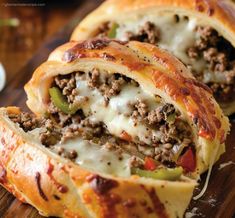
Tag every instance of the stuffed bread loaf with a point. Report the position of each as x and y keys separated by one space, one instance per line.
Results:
x=200 y=33
x=57 y=186
x=139 y=93
x=120 y=129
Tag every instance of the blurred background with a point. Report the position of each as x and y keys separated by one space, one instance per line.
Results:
x=29 y=31
x=25 y=25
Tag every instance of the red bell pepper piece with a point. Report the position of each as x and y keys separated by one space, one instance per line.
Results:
x=125 y=136
x=188 y=160
x=149 y=164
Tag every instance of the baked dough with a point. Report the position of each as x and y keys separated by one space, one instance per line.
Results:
x=176 y=36
x=56 y=186
x=156 y=71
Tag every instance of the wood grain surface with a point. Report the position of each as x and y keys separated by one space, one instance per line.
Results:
x=219 y=199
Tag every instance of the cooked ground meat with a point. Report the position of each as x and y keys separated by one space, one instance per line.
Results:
x=136 y=162
x=26 y=121
x=67 y=84
x=116 y=84
x=217 y=60
x=55 y=131
x=152 y=117
x=220 y=57
x=70 y=132
x=108 y=85
x=223 y=92
x=208 y=36
x=72 y=155
x=51 y=134
x=193 y=53
x=103 y=29
x=94 y=79
x=140 y=111
x=147 y=33
x=155 y=116
x=92 y=129
x=60 y=127
x=63 y=119
x=218 y=53
x=172 y=132
x=78 y=125
x=161 y=113
x=230 y=74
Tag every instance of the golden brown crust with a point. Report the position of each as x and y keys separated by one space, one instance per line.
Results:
x=173 y=78
x=58 y=187
x=218 y=14
x=160 y=74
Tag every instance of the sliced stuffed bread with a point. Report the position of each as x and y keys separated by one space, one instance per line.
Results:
x=121 y=130
x=80 y=177
x=135 y=92
x=200 y=33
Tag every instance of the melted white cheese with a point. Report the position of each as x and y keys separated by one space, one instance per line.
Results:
x=214 y=77
x=92 y=156
x=99 y=159
x=193 y=213
x=175 y=37
x=223 y=165
x=114 y=115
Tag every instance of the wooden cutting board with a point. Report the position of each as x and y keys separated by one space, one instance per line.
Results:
x=219 y=199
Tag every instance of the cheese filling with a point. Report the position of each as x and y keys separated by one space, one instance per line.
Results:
x=116 y=115
x=107 y=123
x=209 y=56
x=175 y=37
x=98 y=158
x=115 y=107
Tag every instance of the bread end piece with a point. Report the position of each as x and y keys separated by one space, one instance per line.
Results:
x=58 y=187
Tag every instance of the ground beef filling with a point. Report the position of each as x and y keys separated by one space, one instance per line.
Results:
x=60 y=127
x=217 y=52
x=147 y=33
x=219 y=55
x=175 y=133
x=26 y=121
x=103 y=29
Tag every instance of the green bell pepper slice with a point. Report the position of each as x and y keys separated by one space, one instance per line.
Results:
x=113 y=31
x=171 y=174
x=60 y=101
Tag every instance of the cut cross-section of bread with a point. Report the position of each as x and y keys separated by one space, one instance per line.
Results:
x=83 y=186
x=200 y=33
x=120 y=130
x=136 y=92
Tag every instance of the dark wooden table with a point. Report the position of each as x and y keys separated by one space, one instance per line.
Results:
x=41 y=29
